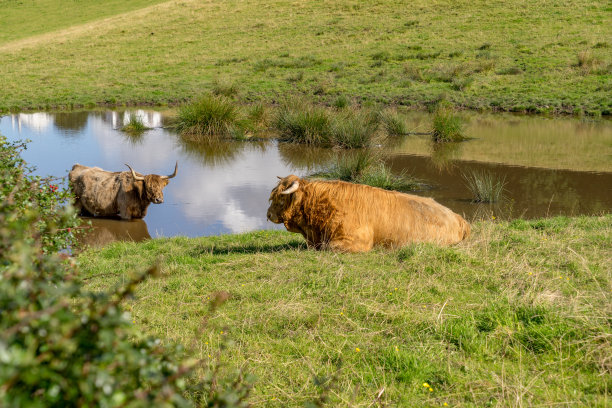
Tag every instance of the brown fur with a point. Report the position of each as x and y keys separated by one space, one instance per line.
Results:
x=105 y=193
x=353 y=217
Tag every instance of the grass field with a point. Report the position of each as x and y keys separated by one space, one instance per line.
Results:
x=517 y=316
x=515 y=55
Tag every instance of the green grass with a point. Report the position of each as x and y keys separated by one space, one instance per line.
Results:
x=307 y=124
x=393 y=123
x=300 y=122
x=134 y=125
x=518 y=315
x=353 y=129
x=447 y=126
x=58 y=54
x=365 y=167
x=485 y=187
x=208 y=116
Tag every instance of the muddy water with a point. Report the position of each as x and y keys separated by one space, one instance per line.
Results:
x=224 y=187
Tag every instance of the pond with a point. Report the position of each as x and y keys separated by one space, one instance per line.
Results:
x=224 y=187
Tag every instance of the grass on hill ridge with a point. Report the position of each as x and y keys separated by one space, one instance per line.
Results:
x=514 y=55
x=518 y=315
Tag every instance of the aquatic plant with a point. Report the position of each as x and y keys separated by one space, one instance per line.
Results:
x=393 y=123
x=353 y=128
x=447 y=125
x=135 y=125
x=365 y=167
x=305 y=124
x=485 y=186
x=207 y=116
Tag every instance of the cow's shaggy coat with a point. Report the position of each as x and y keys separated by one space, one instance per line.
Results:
x=104 y=193
x=354 y=218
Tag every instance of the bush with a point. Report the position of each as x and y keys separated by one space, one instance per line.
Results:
x=61 y=345
x=21 y=193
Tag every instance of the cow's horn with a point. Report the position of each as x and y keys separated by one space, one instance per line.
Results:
x=173 y=174
x=134 y=174
x=292 y=188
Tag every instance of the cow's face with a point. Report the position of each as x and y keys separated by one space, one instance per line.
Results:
x=154 y=186
x=282 y=197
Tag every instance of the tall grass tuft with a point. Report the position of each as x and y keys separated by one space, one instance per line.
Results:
x=206 y=117
x=393 y=123
x=353 y=129
x=224 y=87
x=367 y=168
x=302 y=123
x=447 y=126
x=341 y=102
x=305 y=124
x=259 y=114
x=485 y=187
x=134 y=125
x=586 y=61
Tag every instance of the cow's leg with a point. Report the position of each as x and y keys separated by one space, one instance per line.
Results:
x=124 y=213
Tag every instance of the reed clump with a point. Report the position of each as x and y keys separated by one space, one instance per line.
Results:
x=393 y=123
x=308 y=124
x=447 y=126
x=364 y=167
x=485 y=186
x=135 y=125
x=354 y=128
x=303 y=123
x=224 y=87
x=208 y=116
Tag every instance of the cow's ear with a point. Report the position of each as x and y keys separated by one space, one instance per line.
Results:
x=292 y=188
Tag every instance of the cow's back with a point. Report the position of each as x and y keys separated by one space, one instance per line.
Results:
x=393 y=218
x=95 y=189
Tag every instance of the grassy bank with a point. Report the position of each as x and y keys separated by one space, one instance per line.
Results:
x=516 y=316
x=519 y=56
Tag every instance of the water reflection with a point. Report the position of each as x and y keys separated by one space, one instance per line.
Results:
x=444 y=153
x=529 y=192
x=305 y=158
x=105 y=231
x=72 y=123
x=224 y=187
x=218 y=153
x=559 y=142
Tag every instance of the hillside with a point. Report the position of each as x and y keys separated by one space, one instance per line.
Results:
x=514 y=55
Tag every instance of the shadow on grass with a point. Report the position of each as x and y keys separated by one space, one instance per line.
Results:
x=237 y=248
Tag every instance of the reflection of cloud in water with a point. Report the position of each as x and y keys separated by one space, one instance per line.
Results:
x=154 y=155
x=235 y=193
x=38 y=122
